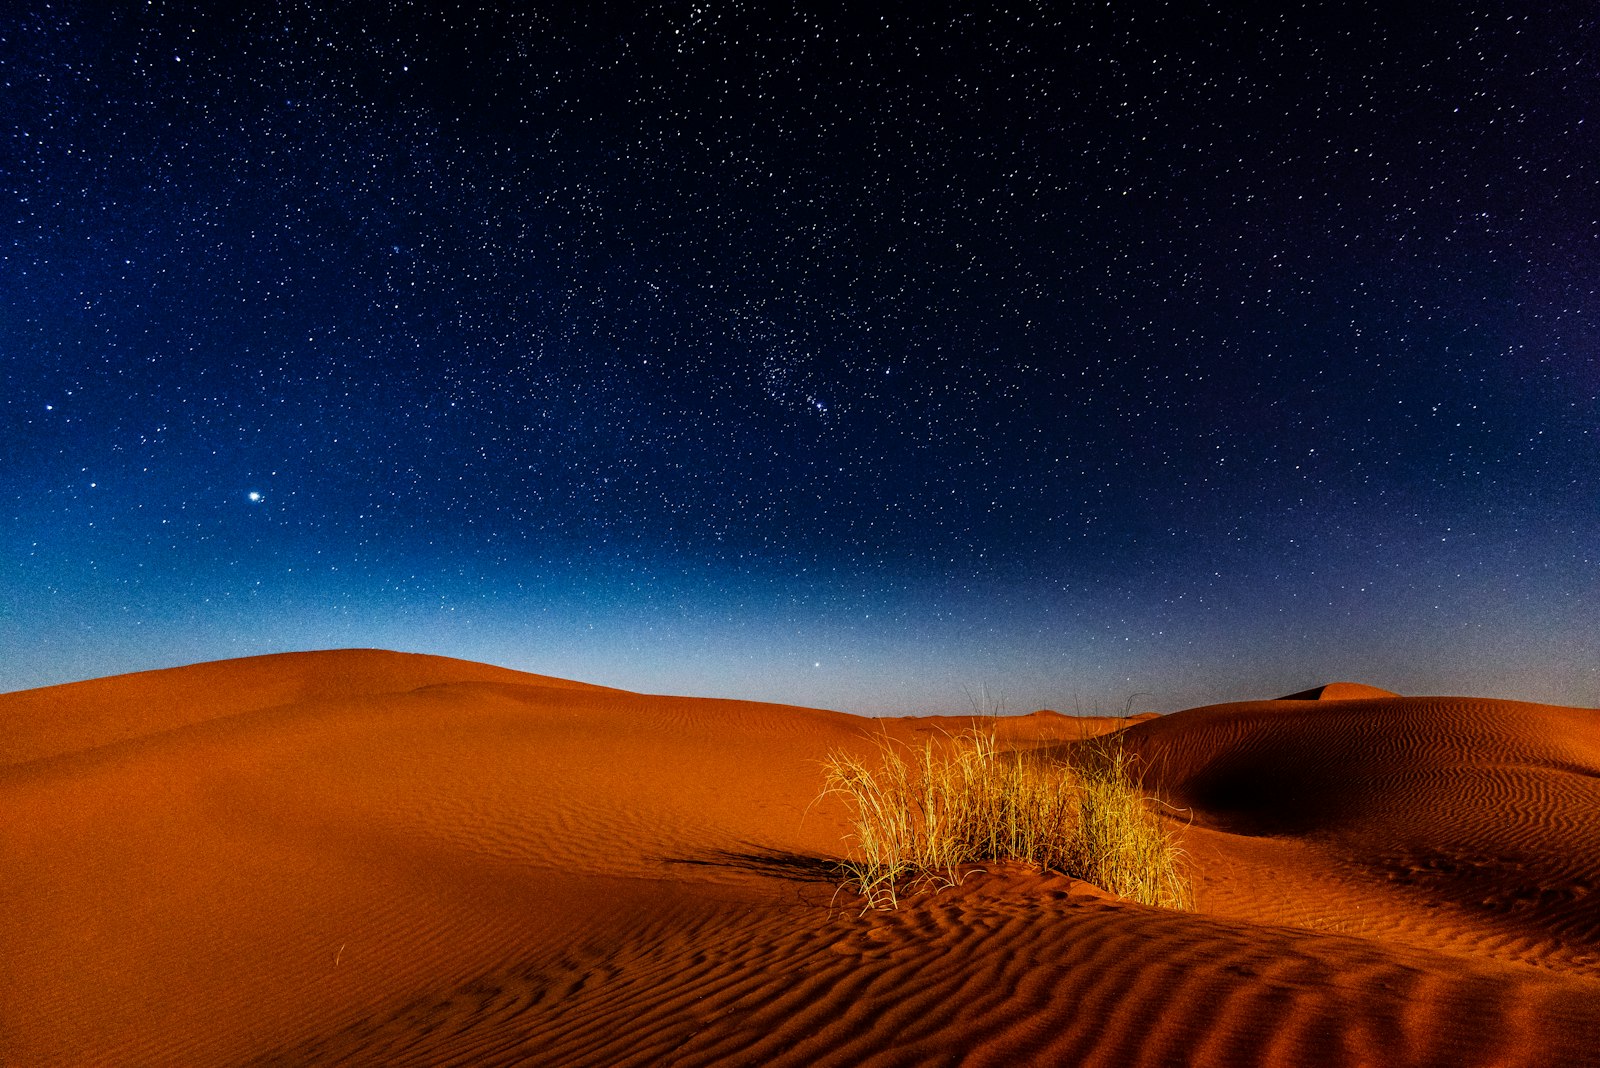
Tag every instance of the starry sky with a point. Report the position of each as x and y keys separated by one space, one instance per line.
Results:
x=902 y=357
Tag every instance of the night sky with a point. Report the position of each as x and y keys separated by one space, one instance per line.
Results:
x=896 y=360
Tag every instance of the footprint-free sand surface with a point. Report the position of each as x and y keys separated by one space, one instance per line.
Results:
x=372 y=858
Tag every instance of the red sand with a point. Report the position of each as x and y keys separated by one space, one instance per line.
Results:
x=375 y=858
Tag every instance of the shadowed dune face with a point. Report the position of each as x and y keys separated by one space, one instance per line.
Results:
x=1462 y=821
x=369 y=858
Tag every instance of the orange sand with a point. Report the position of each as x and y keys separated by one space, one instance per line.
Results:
x=371 y=858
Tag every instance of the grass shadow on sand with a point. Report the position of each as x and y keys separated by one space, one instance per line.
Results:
x=772 y=864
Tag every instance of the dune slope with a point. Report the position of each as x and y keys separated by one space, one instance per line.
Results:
x=1450 y=823
x=369 y=858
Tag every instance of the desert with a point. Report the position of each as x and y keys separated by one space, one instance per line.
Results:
x=365 y=857
x=705 y=533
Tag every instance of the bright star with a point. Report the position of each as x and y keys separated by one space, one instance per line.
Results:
x=254 y=496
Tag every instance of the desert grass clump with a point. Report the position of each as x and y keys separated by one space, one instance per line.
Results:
x=924 y=811
x=1121 y=843
x=918 y=814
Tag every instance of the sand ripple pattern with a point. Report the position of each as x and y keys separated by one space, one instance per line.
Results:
x=1007 y=970
x=364 y=858
x=1451 y=823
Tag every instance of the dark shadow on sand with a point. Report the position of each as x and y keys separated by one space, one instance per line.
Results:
x=774 y=864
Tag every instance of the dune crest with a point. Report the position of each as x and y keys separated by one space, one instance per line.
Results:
x=377 y=858
x=54 y=720
x=1339 y=691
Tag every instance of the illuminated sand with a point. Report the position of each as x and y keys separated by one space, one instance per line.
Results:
x=375 y=858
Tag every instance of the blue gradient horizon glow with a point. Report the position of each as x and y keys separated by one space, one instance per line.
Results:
x=844 y=646
x=876 y=361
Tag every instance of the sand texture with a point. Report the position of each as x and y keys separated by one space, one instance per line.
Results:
x=371 y=858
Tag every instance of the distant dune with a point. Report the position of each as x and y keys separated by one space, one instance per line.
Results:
x=371 y=858
x=1339 y=691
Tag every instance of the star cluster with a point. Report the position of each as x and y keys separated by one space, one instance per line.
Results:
x=860 y=358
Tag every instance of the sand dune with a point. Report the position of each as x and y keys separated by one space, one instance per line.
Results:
x=1443 y=822
x=373 y=858
x=1339 y=691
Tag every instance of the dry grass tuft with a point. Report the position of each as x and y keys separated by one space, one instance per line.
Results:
x=1120 y=842
x=920 y=813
